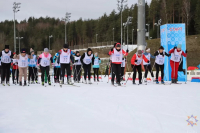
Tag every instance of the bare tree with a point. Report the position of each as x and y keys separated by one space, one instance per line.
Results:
x=186 y=12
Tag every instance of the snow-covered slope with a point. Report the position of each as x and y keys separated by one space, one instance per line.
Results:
x=99 y=108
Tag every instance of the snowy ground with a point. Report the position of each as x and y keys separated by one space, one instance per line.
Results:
x=100 y=108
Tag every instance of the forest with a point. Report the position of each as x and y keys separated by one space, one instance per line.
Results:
x=36 y=31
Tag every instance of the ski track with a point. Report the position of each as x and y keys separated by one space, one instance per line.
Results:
x=99 y=108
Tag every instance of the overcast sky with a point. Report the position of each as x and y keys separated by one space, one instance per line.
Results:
x=57 y=8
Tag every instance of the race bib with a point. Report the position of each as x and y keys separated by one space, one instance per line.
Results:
x=23 y=63
x=6 y=59
x=65 y=59
x=96 y=62
x=139 y=61
x=88 y=61
x=161 y=61
x=176 y=58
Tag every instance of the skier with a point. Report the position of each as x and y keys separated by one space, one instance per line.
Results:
x=22 y=64
x=136 y=63
x=0 y=67
x=159 y=63
x=44 y=63
x=176 y=54
x=64 y=61
x=116 y=55
x=147 y=66
x=32 y=67
x=86 y=60
x=77 y=67
x=15 y=70
x=95 y=64
x=6 y=56
x=122 y=67
x=56 y=68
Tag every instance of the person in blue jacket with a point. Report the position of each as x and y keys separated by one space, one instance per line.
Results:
x=147 y=66
x=56 y=68
x=96 y=64
x=32 y=69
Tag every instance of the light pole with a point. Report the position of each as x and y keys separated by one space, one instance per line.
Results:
x=127 y=23
x=113 y=34
x=96 y=37
x=132 y=35
x=15 y=10
x=19 y=41
x=124 y=24
x=49 y=40
x=66 y=19
x=158 y=25
x=148 y=30
x=120 y=8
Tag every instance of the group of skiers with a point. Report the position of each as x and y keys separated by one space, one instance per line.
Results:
x=25 y=61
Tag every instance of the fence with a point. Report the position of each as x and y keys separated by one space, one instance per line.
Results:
x=91 y=45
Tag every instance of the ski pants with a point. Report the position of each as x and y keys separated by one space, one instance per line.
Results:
x=148 y=69
x=13 y=74
x=116 y=70
x=87 y=71
x=22 y=72
x=161 y=69
x=122 y=71
x=77 y=72
x=56 y=74
x=32 y=73
x=174 y=67
x=43 y=69
x=96 y=72
x=64 y=67
x=138 y=68
x=5 y=72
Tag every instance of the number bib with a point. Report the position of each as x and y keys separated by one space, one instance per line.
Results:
x=96 y=61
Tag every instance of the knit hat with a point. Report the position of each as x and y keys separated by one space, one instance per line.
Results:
x=89 y=49
x=118 y=45
x=23 y=50
x=6 y=46
x=161 y=47
x=65 y=46
x=46 y=50
x=32 y=51
x=179 y=46
x=148 y=49
x=139 y=52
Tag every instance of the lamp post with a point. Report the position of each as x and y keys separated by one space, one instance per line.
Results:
x=132 y=35
x=15 y=10
x=124 y=24
x=148 y=30
x=66 y=19
x=120 y=8
x=113 y=34
x=127 y=23
x=19 y=41
x=158 y=25
x=49 y=40
x=96 y=37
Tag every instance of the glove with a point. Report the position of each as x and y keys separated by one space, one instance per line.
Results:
x=135 y=60
x=127 y=51
x=186 y=51
x=99 y=58
x=163 y=54
x=175 y=47
x=148 y=61
x=111 y=49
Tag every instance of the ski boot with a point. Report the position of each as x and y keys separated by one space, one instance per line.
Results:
x=89 y=82
x=162 y=81
x=49 y=83
x=28 y=82
x=36 y=82
x=173 y=81
x=140 y=82
x=69 y=81
x=8 y=84
x=118 y=83
x=32 y=82
x=145 y=80
x=134 y=82
x=157 y=81
x=85 y=81
x=20 y=83
x=25 y=83
x=3 y=83
x=42 y=83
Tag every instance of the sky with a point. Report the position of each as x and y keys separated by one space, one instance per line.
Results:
x=85 y=9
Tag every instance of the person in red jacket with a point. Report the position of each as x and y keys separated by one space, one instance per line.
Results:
x=136 y=63
x=117 y=54
x=15 y=70
x=176 y=54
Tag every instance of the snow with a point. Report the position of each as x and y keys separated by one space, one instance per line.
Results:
x=99 y=108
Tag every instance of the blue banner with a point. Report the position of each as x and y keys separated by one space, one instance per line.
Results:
x=172 y=35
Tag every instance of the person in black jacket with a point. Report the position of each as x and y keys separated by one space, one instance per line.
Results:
x=6 y=57
x=86 y=60
x=159 y=63
x=77 y=67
